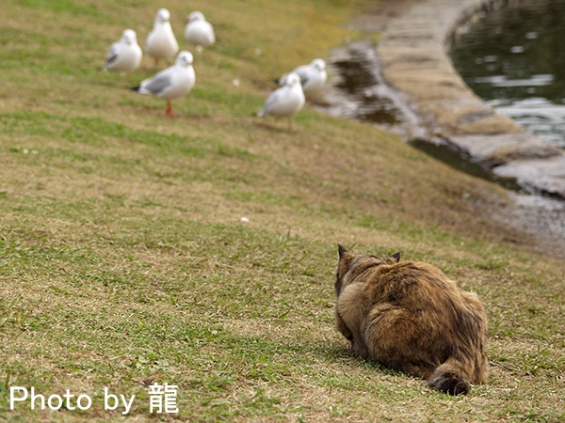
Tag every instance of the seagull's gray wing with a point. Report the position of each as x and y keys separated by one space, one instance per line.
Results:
x=112 y=55
x=273 y=99
x=158 y=83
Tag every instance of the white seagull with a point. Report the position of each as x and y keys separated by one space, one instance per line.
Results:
x=285 y=101
x=171 y=83
x=124 y=55
x=161 y=42
x=198 y=31
x=312 y=76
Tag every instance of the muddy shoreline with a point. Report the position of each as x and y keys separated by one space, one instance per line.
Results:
x=412 y=72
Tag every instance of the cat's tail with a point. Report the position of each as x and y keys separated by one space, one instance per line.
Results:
x=450 y=378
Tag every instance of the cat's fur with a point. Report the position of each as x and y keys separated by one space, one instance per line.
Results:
x=409 y=316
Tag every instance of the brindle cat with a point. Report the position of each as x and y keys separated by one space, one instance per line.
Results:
x=411 y=317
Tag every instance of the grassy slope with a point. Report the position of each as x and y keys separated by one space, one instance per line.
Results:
x=123 y=260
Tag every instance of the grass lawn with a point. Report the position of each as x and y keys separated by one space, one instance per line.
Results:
x=124 y=261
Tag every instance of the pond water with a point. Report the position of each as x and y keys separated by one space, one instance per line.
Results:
x=513 y=57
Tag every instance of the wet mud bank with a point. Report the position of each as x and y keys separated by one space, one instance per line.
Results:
x=413 y=54
x=359 y=91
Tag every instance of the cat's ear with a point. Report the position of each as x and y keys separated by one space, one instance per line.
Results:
x=396 y=257
x=341 y=249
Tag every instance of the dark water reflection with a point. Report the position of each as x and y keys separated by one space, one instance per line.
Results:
x=514 y=58
x=361 y=85
x=452 y=158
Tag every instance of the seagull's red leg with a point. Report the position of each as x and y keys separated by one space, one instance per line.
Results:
x=169 y=110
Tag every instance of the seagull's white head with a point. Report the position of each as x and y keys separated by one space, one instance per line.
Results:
x=319 y=64
x=196 y=16
x=291 y=79
x=129 y=36
x=163 y=15
x=184 y=59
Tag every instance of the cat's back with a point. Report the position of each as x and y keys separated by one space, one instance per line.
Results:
x=409 y=282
